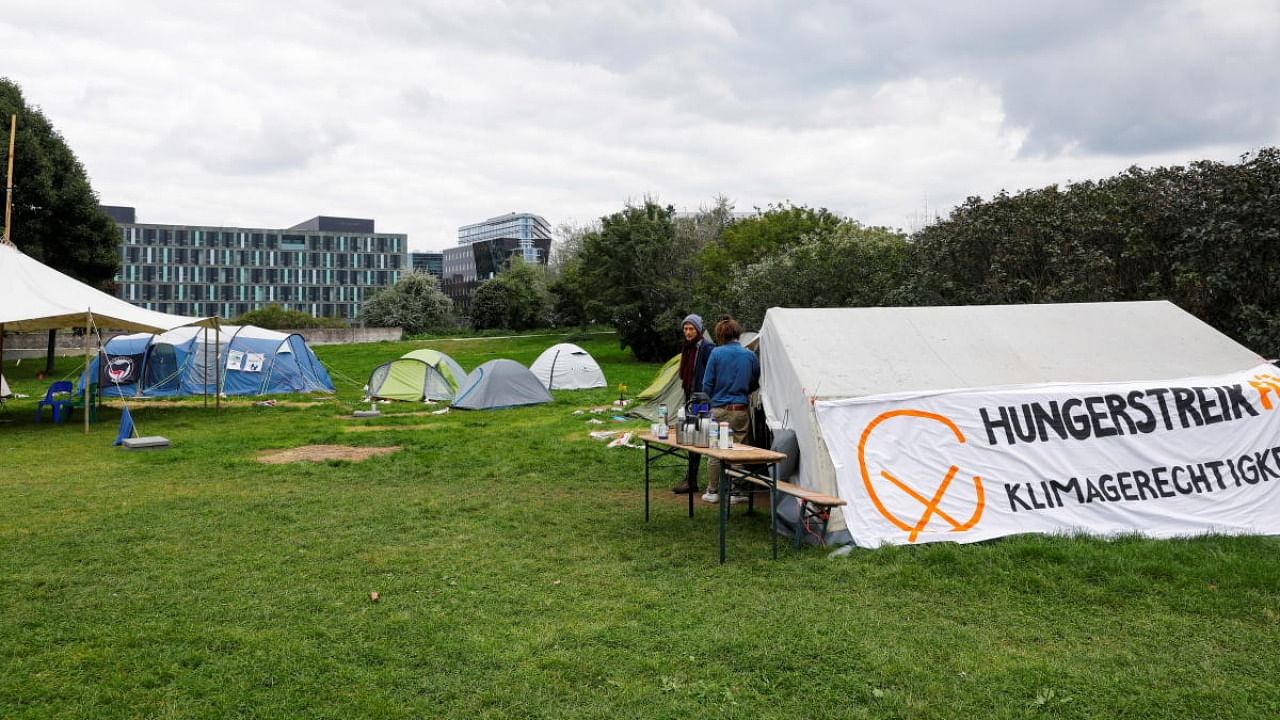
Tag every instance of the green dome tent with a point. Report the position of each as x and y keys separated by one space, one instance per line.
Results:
x=664 y=390
x=422 y=374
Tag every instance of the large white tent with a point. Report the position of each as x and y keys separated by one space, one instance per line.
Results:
x=34 y=296
x=815 y=355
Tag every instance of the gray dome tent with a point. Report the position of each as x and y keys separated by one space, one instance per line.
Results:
x=499 y=384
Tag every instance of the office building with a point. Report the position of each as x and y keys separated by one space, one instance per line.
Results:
x=325 y=266
x=428 y=262
x=484 y=248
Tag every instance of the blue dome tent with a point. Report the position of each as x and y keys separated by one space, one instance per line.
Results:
x=179 y=363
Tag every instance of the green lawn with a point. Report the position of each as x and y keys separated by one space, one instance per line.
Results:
x=518 y=579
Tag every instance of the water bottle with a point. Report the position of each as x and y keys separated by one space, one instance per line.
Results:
x=726 y=437
x=713 y=434
x=680 y=425
x=662 y=413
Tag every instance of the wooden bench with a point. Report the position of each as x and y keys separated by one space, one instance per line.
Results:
x=814 y=506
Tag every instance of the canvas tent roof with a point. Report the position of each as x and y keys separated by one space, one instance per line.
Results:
x=835 y=353
x=34 y=296
x=498 y=384
x=566 y=366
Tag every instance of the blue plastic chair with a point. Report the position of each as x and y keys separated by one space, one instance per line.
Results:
x=56 y=404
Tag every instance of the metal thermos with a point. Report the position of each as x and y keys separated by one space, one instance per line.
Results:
x=704 y=424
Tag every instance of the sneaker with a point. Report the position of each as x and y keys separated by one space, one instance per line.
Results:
x=737 y=499
x=710 y=497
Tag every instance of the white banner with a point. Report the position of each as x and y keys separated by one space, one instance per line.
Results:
x=1161 y=459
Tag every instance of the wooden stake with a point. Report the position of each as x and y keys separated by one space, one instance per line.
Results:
x=8 y=189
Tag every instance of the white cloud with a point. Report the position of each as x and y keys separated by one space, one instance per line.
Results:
x=431 y=115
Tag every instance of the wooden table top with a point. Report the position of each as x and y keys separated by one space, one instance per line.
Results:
x=740 y=454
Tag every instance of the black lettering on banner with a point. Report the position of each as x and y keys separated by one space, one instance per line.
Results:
x=1239 y=402
x=1253 y=475
x=1035 y=501
x=1015 y=499
x=1206 y=406
x=1027 y=433
x=1077 y=425
x=1116 y=408
x=1231 y=466
x=1049 y=419
x=1203 y=477
x=1044 y=490
x=1186 y=402
x=1267 y=472
x=1071 y=486
x=1091 y=492
x=1096 y=416
x=1108 y=492
x=1135 y=401
x=1142 y=483
x=1173 y=477
x=1164 y=408
x=1162 y=483
x=993 y=425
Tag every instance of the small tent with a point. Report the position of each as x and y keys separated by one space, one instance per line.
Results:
x=418 y=375
x=4 y=388
x=567 y=367
x=498 y=384
x=854 y=357
x=664 y=390
x=181 y=362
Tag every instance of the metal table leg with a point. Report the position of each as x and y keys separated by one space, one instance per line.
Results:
x=724 y=505
x=773 y=507
x=646 y=481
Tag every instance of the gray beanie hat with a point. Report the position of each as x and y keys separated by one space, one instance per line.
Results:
x=694 y=320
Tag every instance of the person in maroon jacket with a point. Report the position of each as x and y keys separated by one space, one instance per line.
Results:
x=694 y=353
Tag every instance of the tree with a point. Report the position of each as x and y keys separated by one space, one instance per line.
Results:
x=415 y=303
x=56 y=217
x=517 y=299
x=633 y=276
x=852 y=266
x=750 y=240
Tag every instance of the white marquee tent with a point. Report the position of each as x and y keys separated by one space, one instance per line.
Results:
x=34 y=296
x=810 y=355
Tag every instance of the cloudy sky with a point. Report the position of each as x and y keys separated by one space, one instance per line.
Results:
x=429 y=115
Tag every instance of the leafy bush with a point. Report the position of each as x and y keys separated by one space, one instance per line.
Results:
x=275 y=317
x=415 y=303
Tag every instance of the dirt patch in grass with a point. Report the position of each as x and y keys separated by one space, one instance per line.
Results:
x=319 y=453
x=381 y=428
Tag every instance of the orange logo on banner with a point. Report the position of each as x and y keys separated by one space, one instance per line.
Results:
x=930 y=504
x=1266 y=385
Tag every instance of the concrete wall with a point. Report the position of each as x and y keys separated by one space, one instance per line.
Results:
x=35 y=345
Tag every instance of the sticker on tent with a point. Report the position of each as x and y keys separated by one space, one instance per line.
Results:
x=253 y=362
x=235 y=359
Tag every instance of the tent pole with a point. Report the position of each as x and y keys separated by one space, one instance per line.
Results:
x=84 y=386
x=217 y=369
x=205 y=384
x=8 y=186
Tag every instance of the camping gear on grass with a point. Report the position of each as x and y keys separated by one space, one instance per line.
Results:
x=664 y=390
x=418 y=375
x=567 y=367
x=180 y=362
x=499 y=384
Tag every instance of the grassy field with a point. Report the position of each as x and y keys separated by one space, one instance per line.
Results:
x=517 y=579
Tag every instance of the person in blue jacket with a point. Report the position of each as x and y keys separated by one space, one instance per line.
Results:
x=732 y=374
x=694 y=353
